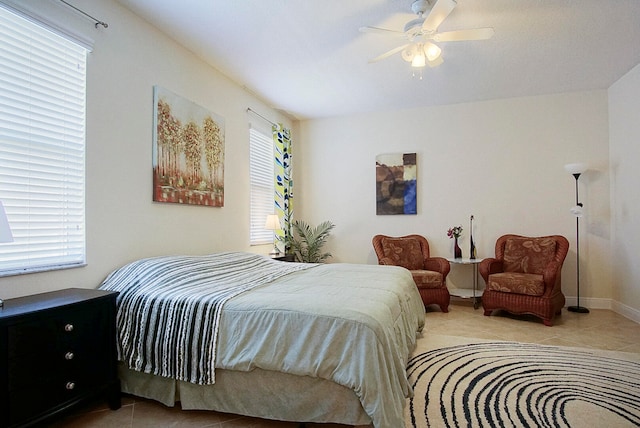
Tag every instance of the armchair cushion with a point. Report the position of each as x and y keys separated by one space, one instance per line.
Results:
x=528 y=255
x=520 y=283
x=405 y=252
x=427 y=278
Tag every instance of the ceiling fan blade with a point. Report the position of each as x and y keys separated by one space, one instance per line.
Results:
x=389 y=53
x=461 y=35
x=438 y=13
x=384 y=31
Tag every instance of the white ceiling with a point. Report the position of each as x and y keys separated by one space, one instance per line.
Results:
x=307 y=57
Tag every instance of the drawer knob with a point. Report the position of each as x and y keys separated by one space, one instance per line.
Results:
x=68 y=327
x=68 y=356
x=70 y=385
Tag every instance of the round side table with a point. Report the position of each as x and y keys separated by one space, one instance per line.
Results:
x=466 y=293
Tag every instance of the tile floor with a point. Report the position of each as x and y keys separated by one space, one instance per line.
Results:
x=600 y=329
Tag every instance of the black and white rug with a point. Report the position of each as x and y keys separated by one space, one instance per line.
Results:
x=510 y=384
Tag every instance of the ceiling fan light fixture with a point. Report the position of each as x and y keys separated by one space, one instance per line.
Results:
x=419 y=60
x=432 y=51
x=409 y=53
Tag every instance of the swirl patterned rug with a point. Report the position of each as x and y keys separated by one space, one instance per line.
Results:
x=476 y=383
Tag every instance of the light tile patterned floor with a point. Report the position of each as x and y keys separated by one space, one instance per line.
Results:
x=600 y=329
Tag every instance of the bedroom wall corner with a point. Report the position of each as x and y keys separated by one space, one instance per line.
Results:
x=624 y=134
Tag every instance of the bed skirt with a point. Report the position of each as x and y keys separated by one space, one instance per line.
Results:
x=258 y=393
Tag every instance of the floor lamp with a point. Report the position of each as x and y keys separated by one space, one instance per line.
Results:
x=576 y=169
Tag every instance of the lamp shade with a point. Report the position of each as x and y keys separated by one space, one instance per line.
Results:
x=575 y=168
x=273 y=222
x=5 y=230
x=418 y=60
x=432 y=51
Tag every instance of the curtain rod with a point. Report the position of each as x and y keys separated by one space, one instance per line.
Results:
x=97 y=21
x=259 y=115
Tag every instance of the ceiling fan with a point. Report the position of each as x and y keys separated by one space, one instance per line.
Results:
x=422 y=32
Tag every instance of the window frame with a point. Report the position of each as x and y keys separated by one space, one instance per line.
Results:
x=42 y=146
x=262 y=184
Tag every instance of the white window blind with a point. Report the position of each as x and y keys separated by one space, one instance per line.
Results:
x=262 y=187
x=42 y=146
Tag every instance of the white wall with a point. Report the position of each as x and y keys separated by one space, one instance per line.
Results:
x=122 y=222
x=501 y=161
x=624 y=105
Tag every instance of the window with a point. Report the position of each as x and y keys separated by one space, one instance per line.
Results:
x=262 y=185
x=42 y=146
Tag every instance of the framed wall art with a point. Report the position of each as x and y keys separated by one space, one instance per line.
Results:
x=396 y=184
x=188 y=152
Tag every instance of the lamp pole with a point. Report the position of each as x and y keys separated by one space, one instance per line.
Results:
x=578 y=214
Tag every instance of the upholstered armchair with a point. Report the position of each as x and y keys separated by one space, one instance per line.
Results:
x=412 y=252
x=524 y=276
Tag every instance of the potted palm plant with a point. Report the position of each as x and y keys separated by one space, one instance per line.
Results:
x=306 y=242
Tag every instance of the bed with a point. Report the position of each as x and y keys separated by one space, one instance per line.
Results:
x=241 y=333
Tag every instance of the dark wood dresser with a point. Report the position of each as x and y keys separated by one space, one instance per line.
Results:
x=57 y=349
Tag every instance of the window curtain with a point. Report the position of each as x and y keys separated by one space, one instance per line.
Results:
x=283 y=188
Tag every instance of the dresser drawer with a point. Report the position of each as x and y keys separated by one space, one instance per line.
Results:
x=24 y=403
x=57 y=329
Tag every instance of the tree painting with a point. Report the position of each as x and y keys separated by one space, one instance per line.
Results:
x=188 y=152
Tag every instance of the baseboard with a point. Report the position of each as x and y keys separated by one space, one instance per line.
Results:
x=598 y=303
x=627 y=311
x=590 y=302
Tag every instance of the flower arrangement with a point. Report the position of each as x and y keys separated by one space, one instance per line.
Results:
x=454 y=232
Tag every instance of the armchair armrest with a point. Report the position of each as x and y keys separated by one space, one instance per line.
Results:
x=551 y=275
x=490 y=266
x=438 y=264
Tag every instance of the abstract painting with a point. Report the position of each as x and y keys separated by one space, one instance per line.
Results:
x=396 y=184
x=188 y=152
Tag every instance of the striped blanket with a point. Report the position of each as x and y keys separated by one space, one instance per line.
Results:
x=169 y=308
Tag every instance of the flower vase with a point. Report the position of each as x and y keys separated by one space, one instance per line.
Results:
x=457 y=251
